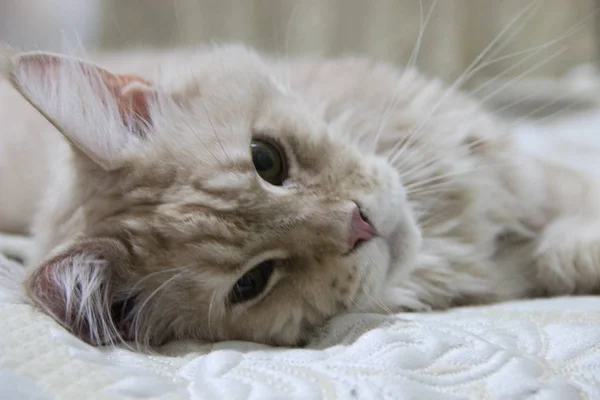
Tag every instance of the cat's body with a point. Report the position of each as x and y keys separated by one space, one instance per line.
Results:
x=147 y=243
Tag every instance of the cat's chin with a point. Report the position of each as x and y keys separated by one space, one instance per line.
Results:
x=404 y=244
x=383 y=259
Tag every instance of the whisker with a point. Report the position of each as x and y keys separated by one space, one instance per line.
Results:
x=362 y=284
x=522 y=75
x=530 y=13
x=565 y=35
x=439 y=191
x=420 y=186
x=514 y=66
x=152 y=274
x=138 y=313
x=395 y=154
x=214 y=130
x=376 y=302
x=198 y=136
x=500 y=110
x=410 y=64
x=551 y=115
x=393 y=158
x=412 y=61
x=464 y=76
x=432 y=161
x=537 y=110
x=406 y=174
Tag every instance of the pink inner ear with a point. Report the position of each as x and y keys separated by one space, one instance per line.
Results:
x=74 y=287
x=131 y=93
x=45 y=289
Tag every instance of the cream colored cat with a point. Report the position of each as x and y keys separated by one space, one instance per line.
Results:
x=229 y=196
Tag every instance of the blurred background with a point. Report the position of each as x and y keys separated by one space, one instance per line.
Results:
x=546 y=53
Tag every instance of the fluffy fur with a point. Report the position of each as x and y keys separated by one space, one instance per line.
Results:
x=154 y=209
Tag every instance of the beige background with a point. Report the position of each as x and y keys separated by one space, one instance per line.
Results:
x=387 y=29
x=457 y=32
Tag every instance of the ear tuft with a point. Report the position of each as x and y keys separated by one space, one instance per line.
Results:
x=103 y=114
x=76 y=288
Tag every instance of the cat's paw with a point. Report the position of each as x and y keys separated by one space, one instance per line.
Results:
x=567 y=257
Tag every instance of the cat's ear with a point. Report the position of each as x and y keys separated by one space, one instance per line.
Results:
x=76 y=287
x=104 y=115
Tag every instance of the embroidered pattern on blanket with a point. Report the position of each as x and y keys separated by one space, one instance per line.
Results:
x=526 y=349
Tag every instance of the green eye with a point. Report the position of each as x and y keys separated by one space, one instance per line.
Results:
x=268 y=161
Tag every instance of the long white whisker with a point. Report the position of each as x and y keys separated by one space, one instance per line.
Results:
x=150 y=275
x=415 y=187
x=394 y=157
x=536 y=5
x=521 y=76
x=138 y=313
x=551 y=115
x=198 y=136
x=499 y=110
x=506 y=71
x=465 y=75
x=410 y=64
x=372 y=299
x=412 y=61
x=537 y=110
x=566 y=34
x=214 y=130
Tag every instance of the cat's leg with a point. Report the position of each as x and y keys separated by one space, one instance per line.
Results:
x=566 y=256
x=15 y=247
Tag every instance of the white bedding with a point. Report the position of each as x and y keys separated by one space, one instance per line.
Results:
x=538 y=349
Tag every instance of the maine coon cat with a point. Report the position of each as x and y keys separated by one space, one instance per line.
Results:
x=230 y=196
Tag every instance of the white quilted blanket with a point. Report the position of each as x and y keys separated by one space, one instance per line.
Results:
x=539 y=349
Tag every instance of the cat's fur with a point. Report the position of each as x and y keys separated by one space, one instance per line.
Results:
x=151 y=216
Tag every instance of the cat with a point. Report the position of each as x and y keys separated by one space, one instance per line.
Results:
x=229 y=195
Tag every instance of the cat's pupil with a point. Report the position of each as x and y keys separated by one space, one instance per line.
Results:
x=245 y=283
x=252 y=283
x=263 y=161
x=268 y=161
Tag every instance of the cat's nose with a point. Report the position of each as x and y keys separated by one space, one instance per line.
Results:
x=360 y=229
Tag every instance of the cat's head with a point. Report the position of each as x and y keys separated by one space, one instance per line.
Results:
x=217 y=205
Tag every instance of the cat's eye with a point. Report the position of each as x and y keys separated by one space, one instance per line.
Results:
x=269 y=161
x=252 y=283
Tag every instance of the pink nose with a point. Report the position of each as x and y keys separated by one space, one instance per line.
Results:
x=360 y=229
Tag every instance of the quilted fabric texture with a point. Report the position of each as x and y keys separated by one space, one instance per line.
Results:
x=538 y=349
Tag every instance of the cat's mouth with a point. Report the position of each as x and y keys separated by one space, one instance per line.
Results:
x=365 y=230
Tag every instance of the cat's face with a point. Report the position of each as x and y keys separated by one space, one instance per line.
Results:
x=229 y=211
